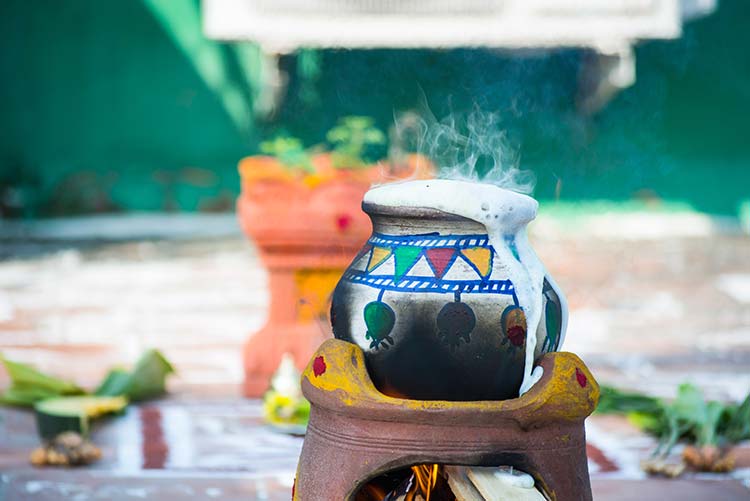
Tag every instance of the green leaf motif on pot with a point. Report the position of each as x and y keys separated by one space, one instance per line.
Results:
x=379 y=318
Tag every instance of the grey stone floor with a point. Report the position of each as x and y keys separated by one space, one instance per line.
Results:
x=194 y=447
x=655 y=300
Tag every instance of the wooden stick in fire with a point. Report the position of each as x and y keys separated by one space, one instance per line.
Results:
x=487 y=484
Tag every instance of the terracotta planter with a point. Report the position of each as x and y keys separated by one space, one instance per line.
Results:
x=306 y=228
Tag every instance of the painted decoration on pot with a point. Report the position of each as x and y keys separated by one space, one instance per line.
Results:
x=434 y=304
x=513 y=322
x=379 y=318
x=455 y=322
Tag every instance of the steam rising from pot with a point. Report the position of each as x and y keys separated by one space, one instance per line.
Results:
x=478 y=172
x=474 y=147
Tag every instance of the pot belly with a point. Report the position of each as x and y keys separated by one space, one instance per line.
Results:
x=434 y=345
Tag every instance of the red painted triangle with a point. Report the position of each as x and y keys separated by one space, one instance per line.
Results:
x=440 y=259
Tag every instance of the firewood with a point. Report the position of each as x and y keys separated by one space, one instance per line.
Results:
x=495 y=484
x=460 y=484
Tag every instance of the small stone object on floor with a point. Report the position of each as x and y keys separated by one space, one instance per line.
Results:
x=662 y=467
x=708 y=458
x=66 y=449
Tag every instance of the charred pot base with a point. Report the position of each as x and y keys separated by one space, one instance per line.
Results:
x=356 y=433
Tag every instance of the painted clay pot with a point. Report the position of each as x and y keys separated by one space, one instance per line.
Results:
x=429 y=301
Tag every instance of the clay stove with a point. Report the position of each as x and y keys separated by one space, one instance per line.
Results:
x=356 y=433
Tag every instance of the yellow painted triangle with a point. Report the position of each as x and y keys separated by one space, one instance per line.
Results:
x=379 y=254
x=481 y=258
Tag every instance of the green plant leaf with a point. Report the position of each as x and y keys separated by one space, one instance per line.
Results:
x=695 y=417
x=29 y=385
x=689 y=416
x=689 y=404
x=708 y=428
x=614 y=401
x=648 y=422
x=337 y=135
x=289 y=151
x=23 y=374
x=25 y=396
x=116 y=382
x=374 y=136
x=738 y=424
x=146 y=380
x=351 y=138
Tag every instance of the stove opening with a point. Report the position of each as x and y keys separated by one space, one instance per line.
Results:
x=435 y=482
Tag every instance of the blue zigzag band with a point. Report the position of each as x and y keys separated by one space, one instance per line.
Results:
x=432 y=284
x=430 y=240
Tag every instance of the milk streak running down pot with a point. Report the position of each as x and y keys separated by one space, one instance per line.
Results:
x=443 y=295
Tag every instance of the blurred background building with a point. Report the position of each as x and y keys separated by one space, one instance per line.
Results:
x=127 y=105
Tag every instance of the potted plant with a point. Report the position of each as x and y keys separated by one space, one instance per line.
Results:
x=301 y=208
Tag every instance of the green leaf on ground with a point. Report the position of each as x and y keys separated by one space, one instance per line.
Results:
x=146 y=380
x=690 y=417
x=116 y=382
x=28 y=385
x=614 y=401
x=738 y=423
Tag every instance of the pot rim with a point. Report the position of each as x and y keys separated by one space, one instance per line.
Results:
x=372 y=209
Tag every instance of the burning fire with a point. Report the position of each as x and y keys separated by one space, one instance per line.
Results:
x=424 y=482
x=436 y=482
x=426 y=476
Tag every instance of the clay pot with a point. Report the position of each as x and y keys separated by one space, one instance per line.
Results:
x=306 y=228
x=429 y=302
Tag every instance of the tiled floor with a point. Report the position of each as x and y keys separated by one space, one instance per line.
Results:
x=655 y=300
x=194 y=448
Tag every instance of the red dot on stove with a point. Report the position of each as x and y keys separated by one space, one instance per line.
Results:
x=581 y=377
x=319 y=366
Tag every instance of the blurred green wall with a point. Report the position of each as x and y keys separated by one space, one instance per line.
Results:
x=102 y=110
x=122 y=105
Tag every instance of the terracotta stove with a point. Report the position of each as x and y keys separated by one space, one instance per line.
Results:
x=356 y=433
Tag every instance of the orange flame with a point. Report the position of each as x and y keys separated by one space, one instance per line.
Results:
x=426 y=476
x=427 y=483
